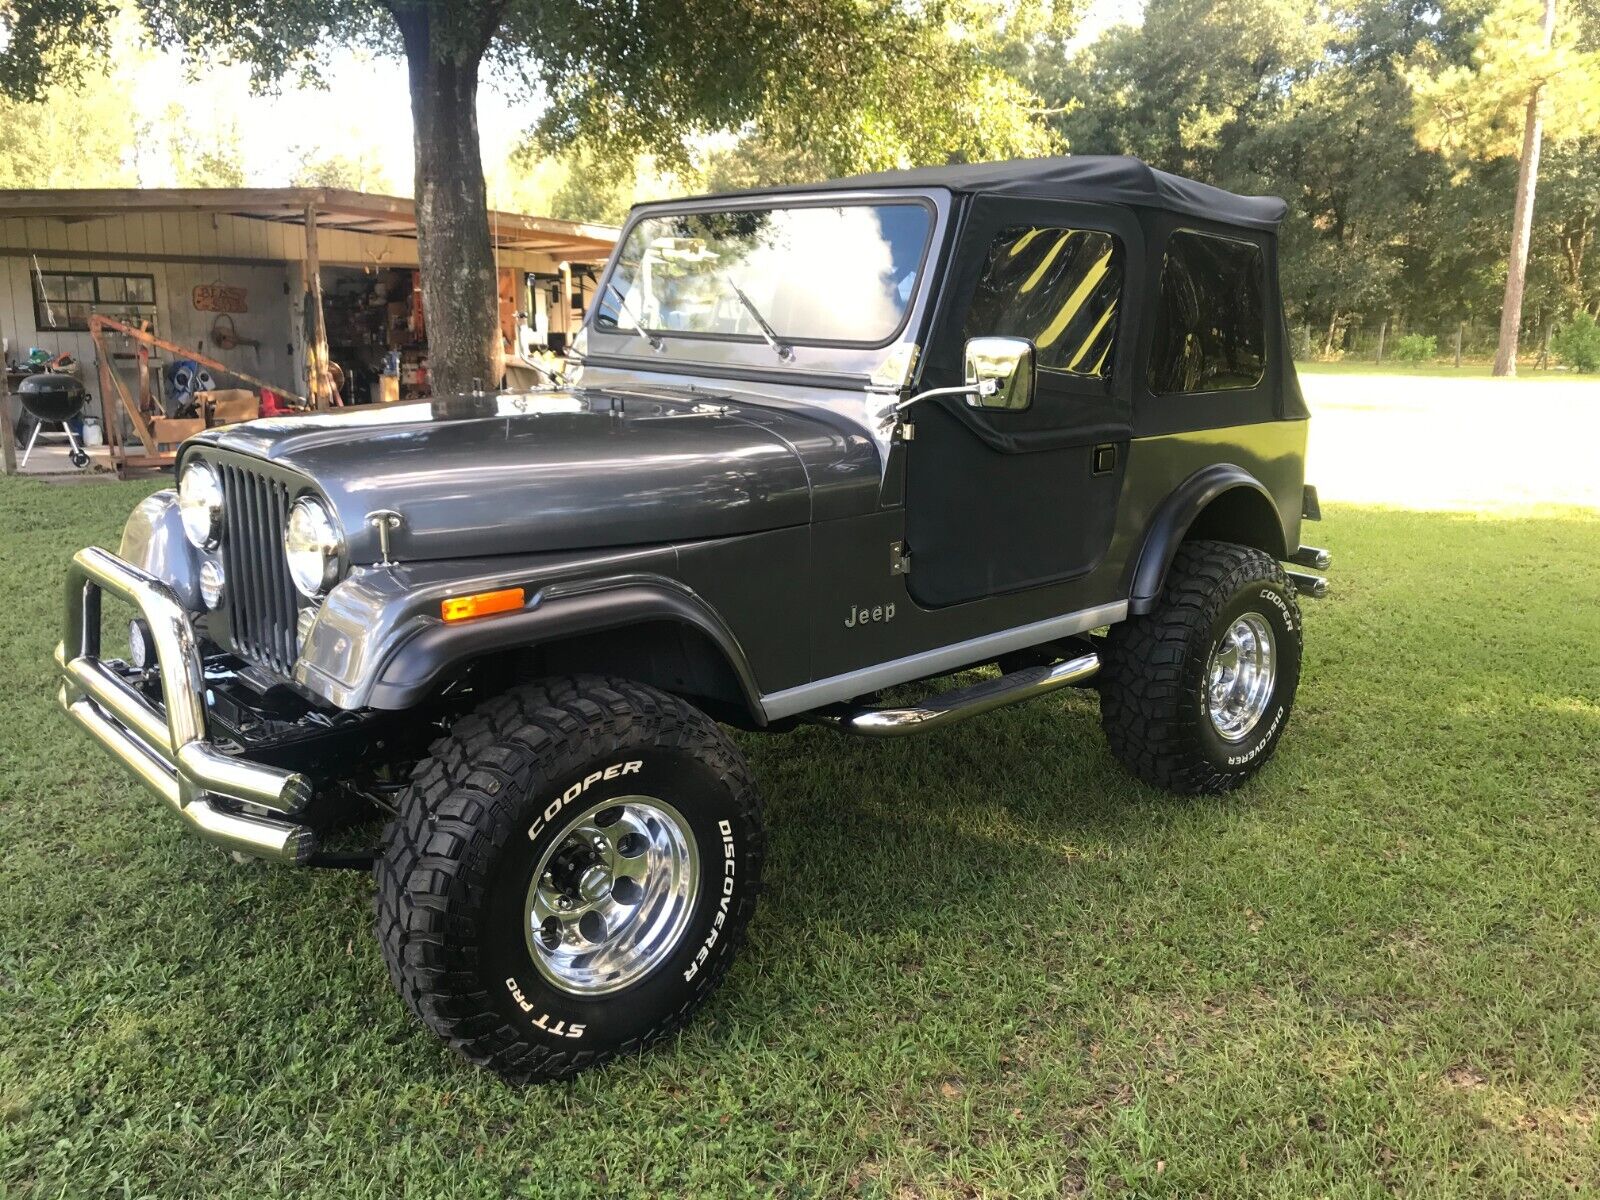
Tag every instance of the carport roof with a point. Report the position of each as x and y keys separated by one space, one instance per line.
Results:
x=336 y=208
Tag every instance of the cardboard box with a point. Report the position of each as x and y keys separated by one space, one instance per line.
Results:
x=229 y=406
x=169 y=431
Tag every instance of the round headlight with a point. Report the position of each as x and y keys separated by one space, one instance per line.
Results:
x=312 y=544
x=200 y=504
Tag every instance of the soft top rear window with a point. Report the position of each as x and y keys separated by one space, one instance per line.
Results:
x=1211 y=321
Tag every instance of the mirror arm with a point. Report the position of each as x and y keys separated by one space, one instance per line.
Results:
x=984 y=387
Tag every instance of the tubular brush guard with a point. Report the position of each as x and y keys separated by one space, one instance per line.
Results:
x=167 y=748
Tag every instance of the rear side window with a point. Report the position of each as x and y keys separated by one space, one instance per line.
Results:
x=1059 y=288
x=1210 y=321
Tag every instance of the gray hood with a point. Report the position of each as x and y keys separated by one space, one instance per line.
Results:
x=502 y=474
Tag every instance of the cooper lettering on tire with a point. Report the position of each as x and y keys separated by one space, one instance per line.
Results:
x=569 y=875
x=1195 y=695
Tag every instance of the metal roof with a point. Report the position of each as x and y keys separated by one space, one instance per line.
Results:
x=336 y=208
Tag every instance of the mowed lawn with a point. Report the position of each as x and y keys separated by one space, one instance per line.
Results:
x=986 y=963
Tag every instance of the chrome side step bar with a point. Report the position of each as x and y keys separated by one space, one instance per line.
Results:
x=938 y=711
x=1313 y=587
x=167 y=748
x=1312 y=556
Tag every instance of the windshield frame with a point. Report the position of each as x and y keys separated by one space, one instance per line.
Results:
x=767 y=202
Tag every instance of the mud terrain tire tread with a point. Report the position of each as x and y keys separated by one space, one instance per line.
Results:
x=432 y=871
x=1147 y=664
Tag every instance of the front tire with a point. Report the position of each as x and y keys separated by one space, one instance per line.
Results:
x=1195 y=694
x=569 y=875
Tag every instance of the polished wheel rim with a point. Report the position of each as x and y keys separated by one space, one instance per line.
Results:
x=612 y=895
x=1240 y=677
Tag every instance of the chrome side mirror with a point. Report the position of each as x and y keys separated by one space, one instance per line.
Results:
x=1000 y=373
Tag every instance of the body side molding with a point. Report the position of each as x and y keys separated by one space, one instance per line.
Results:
x=938 y=661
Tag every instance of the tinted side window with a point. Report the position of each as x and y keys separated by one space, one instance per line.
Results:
x=1210 y=326
x=1059 y=288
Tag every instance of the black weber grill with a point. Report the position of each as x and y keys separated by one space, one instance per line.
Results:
x=54 y=399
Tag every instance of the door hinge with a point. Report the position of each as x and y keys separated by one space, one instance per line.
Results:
x=906 y=431
x=899 y=559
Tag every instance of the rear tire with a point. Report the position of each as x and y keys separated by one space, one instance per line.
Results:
x=569 y=875
x=1195 y=694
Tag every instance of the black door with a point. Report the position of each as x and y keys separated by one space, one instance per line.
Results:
x=1001 y=501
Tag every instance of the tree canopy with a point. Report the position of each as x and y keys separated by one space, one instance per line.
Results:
x=1314 y=100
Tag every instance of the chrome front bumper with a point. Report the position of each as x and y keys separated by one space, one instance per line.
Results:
x=168 y=750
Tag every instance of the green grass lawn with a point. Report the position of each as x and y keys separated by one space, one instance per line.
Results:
x=1441 y=368
x=986 y=963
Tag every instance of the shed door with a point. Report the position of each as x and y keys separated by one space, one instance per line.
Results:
x=998 y=501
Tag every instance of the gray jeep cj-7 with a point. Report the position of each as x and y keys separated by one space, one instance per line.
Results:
x=813 y=443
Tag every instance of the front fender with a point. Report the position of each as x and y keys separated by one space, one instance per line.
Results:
x=593 y=606
x=153 y=540
x=378 y=640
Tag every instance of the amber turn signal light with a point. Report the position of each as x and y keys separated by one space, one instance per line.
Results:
x=481 y=604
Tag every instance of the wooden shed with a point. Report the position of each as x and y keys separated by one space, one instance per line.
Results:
x=234 y=274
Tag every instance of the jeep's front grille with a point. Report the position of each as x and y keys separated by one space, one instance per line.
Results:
x=261 y=600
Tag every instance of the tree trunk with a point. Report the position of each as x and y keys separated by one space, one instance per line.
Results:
x=1505 y=355
x=460 y=299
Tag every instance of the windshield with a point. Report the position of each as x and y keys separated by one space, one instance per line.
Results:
x=840 y=273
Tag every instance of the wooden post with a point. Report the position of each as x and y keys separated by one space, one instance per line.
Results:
x=8 y=435
x=321 y=378
x=564 y=270
x=110 y=422
x=1459 y=326
x=1383 y=332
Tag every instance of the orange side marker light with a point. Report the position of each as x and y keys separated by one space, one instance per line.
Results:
x=481 y=604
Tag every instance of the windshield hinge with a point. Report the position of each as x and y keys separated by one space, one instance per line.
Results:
x=899 y=558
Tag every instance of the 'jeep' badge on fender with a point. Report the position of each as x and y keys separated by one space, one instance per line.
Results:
x=878 y=614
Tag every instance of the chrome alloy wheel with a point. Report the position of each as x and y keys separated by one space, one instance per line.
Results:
x=612 y=895
x=1240 y=677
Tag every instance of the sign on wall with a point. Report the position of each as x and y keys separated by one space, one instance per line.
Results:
x=220 y=298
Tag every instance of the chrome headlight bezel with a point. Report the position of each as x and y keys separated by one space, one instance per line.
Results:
x=313 y=547
x=200 y=502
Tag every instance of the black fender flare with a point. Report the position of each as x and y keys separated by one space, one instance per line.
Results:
x=421 y=662
x=1178 y=513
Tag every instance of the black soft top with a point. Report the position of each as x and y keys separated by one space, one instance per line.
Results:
x=1114 y=179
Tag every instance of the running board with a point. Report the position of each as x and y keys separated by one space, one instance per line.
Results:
x=950 y=707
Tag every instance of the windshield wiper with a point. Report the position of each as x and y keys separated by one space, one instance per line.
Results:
x=650 y=339
x=785 y=351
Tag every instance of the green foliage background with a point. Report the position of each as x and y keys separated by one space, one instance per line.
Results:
x=1384 y=123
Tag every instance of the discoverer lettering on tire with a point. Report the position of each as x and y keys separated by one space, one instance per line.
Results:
x=493 y=811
